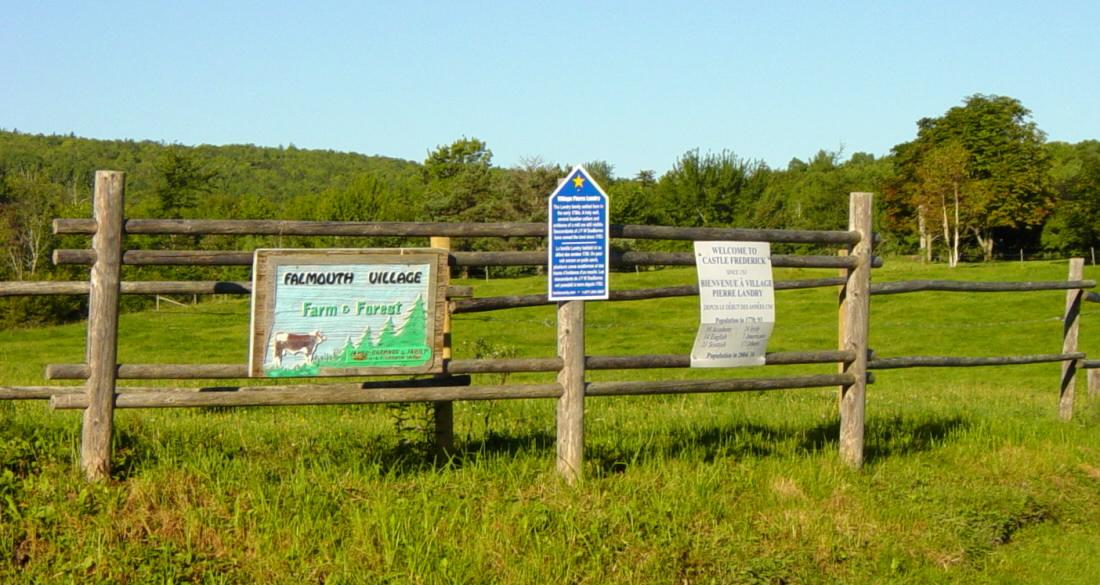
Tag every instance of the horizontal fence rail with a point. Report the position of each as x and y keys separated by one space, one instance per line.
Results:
x=156 y=287
x=909 y=286
x=473 y=305
x=37 y=392
x=703 y=386
x=45 y=392
x=538 y=258
x=929 y=361
x=304 y=395
x=478 y=305
x=355 y=394
x=261 y=227
x=473 y=366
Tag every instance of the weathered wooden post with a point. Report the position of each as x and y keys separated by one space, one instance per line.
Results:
x=841 y=319
x=570 y=439
x=443 y=410
x=102 y=349
x=855 y=301
x=1069 y=339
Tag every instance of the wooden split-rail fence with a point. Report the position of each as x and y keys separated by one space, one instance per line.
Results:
x=1073 y=308
x=101 y=394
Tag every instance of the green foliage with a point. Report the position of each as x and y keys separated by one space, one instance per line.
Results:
x=1075 y=176
x=1007 y=180
x=602 y=172
x=815 y=195
x=459 y=181
x=483 y=410
x=235 y=171
x=635 y=203
x=463 y=186
x=946 y=196
x=414 y=425
x=527 y=189
x=42 y=177
x=1014 y=189
x=28 y=203
x=181 y=181
x=365 y=198
x=706 y=190
x=461 y=156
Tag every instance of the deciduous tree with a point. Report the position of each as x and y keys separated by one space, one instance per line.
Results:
x=1007 y=167
x=943 y=178
x=705 y=190
x=28 y=203
x=1074 y=226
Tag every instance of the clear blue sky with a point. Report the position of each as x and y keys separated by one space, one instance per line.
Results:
x=633 y=83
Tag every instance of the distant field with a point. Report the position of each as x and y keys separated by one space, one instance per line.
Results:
x=970 y=476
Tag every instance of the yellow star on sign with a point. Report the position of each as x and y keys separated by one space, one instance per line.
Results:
x=578 y=182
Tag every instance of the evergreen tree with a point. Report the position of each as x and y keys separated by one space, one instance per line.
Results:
x=414 y=331
x=388 y=334
x=365 y=342
x=349 y=350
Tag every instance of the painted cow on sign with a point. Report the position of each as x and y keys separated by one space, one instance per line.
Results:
x=303 y=343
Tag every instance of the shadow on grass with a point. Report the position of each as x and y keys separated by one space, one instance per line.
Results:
x=884 y=438
x=704 y=445
x=131 y=452
x=491 y=446
x=502 y=444
x=696 y=444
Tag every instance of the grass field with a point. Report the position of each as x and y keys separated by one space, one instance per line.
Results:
x=970 y=475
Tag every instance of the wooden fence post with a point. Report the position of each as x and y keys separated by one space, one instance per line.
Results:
x=443 y=411
x=1069 y=339
x=841 y=318
x=855 y=310
x=570 y=439
x=102 y=349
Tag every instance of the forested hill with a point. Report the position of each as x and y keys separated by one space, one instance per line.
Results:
x=276 y=174
x=977 y=182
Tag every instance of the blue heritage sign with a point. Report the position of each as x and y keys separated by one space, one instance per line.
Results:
x=578 y=252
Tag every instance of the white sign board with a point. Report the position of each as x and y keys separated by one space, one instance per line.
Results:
x=736 y=304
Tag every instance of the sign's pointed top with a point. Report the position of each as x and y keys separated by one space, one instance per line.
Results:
x=579 y=182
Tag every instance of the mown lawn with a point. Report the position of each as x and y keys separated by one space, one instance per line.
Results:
x=970 y=475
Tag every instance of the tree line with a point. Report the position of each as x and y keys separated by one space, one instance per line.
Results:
x=978 y=180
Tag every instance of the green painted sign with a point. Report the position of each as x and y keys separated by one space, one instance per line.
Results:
x=347 y=312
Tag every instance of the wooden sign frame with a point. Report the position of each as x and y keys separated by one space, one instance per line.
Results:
x=347 y=312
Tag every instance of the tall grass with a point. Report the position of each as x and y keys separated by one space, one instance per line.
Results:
x=970 y=475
